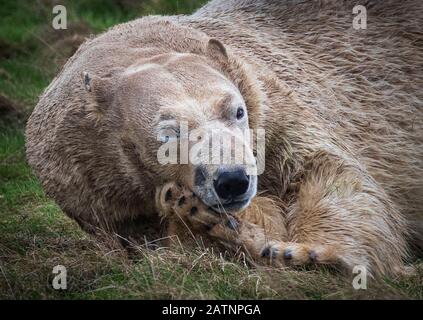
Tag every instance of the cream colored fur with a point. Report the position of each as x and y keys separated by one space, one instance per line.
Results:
x=342 y=109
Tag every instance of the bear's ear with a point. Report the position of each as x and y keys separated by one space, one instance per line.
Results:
x=101 y=89
x=217 y=50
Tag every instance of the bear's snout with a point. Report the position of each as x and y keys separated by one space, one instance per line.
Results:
x=225 y=188
x=231 y=185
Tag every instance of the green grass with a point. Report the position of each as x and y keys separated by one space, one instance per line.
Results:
x=35 y=235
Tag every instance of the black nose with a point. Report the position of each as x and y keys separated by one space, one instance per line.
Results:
x=231 y=184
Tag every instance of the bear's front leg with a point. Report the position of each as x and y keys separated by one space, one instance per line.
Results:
x=174 y=199
x=188 y=218
x=342 y=217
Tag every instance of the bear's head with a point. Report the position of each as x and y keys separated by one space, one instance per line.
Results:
x=189 y=117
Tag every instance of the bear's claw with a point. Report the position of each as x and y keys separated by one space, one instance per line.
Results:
x=297 y=254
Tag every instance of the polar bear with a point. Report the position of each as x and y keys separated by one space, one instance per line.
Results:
x=341 y=110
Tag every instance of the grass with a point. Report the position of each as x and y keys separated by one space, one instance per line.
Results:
x=35 y=235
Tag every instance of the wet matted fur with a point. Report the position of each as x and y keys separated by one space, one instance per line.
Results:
x=342 y=110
